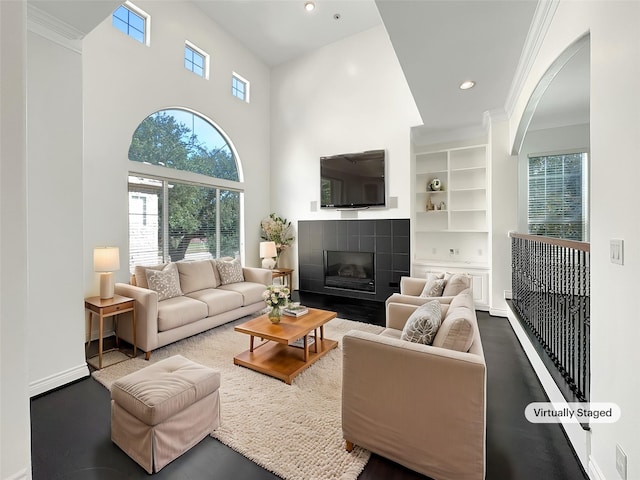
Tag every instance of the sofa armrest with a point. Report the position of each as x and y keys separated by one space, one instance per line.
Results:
x=257 y=275
x=413 y=300
x=412 y=285
x=146 y=316
x=413 y=403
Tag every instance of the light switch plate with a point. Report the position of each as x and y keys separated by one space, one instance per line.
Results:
x=616 y=251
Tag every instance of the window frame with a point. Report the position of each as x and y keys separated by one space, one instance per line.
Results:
x=203 y=54
x=247 y=87
x=146 y=18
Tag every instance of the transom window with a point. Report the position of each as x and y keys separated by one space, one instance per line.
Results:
x=172 y=219
x=558 y=196
x=131 y=20
x=196 y=60
x=240 y=87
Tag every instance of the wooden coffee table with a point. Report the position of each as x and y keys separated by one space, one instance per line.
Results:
x=275 y=356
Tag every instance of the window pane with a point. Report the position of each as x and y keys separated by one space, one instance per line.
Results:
x=121 y=14
x=184 y=141
x=120 y=25
x=229 y=224
x=129 y=22
x=145 y=222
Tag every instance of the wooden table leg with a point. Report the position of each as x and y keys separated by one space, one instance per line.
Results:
x=306 y=348
x=316 y=339
x=100 y=341
x=133 y=320
x=89 y=341
x=251 y=343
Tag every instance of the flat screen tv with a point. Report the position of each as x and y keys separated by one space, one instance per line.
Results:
x=353 y=180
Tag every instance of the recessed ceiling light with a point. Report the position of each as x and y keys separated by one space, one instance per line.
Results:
x=467 y=85
x=309 y=6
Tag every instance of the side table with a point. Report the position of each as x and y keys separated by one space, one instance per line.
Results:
x=110 y=307
x=284 y=274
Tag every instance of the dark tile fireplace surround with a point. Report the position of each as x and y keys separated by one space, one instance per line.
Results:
x=387 y=240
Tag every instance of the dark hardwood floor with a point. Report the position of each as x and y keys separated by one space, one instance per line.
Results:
x=70 y=427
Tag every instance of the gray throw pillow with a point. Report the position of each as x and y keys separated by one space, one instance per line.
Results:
x=423 y=324
x=230 y=272
x=433 y=288
x=166 y=281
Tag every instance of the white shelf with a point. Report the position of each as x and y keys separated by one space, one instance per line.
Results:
x=468 y=210
x=468 y=169
x=474 y=189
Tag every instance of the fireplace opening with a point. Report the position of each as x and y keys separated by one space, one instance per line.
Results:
x=349 y=270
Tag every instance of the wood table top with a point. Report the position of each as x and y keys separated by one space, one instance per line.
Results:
x=289 y=328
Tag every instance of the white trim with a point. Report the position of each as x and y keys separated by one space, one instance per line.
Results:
x=594 y=471
x=247 y=85
x=499 y=312
x=58 y=380
x=24 y=474
x=147 y=20
x=578 y=438
x=53 y=29
x=545 y=10
x=201 y=52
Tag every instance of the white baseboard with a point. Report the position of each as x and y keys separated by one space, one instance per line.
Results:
x=594 y=471
x=499 y=312
x=507 y=295
x=578 y=437
x=58 y=380
x=24 y=474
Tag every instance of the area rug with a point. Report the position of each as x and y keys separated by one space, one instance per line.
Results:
x=294 y=431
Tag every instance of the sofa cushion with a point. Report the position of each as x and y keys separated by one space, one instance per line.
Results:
x=140 y=273
x=251 y=292
x=217 y=300
x=230 y=272
x=196 y=275
x=433 y=288
x=457 y=330
x=463 y=299
x=179 y=311
x=166 y=281
x=456 y=283
x=422 y=325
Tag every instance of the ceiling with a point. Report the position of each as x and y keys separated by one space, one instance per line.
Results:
x=439 y=43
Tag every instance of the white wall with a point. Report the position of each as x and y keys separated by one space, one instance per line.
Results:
x=349 y=96
x=571 y=138
x=15 y=433
x=125 y=81
x=54 y=178
x=615 y=143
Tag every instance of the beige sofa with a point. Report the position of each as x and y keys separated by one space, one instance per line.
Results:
x=205 y=302
x=422 y=406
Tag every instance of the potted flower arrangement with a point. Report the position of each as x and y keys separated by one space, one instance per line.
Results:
x=277 y=297
x=278 y=230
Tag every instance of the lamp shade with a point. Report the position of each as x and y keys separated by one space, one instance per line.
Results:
x=268 y=250
x=106 y=259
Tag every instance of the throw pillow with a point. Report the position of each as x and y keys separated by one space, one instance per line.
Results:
x=166 y=281
x=457 y=330
x=433 y=288
x=230 y=272
x=140 y=273
x=423 y=324
x=456 y=283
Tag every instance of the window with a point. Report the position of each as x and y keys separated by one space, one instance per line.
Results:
x=196 y=60
x=131 y=20
x=171 y=219
x=558 y=196
x=240 y=87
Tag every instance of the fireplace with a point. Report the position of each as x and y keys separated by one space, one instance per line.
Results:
x=349 y=270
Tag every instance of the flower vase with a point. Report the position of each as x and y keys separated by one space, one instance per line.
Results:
x=275 y=314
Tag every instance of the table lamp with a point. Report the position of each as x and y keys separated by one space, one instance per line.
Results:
x=268 y=253
x=106 y=260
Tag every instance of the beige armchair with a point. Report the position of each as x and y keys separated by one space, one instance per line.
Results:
x=411 y=288
x=422 y=406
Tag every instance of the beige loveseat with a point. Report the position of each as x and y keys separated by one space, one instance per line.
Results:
x=412 y=287
x=422 y=406
x=205 y=301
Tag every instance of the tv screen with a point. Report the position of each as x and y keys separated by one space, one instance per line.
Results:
x=353 y=180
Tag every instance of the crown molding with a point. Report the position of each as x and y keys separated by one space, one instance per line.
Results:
x=545 y=11
x=54 y=29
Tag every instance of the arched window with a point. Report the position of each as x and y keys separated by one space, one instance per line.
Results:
x=187 y=216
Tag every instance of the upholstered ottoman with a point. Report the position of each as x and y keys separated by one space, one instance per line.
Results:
x=163 y=410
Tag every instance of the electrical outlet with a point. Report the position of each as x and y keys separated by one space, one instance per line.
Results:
x=621 y=462
x=616 y=251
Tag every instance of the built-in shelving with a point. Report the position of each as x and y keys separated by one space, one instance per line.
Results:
x=455 y=236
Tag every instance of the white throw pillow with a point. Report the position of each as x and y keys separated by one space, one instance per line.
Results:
x=423 y=324
x=230 y=272
x=456 y=283
x=166 y=281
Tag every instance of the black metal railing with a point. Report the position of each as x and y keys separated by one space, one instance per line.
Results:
x=550 y=292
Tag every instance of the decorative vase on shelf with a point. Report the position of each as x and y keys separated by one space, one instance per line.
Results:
x=275 y=314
